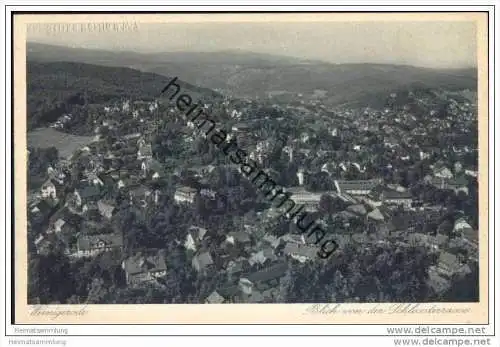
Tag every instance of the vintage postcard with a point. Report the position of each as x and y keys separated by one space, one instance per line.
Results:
x=244 y=168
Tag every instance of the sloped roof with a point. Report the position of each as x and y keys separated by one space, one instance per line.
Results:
x=358 y=209
x=146 y=150
x=301 y=250
x=228 y=290
x=394 y=194
x=358 y=184
x=376 y=215
x=269 y=273
x=87 y=242
x=240 y=236
x=449 y=260
x=105 y=208
x=262 y=256
x=186 y=189
x=272 y=240
x=89 y=192
x=242 y=125
x=140 y=263
x=346 y=215
x=59 y=223
x=446 y=183
x=438 y=283
x=376 y=191
x=214 y=298
x=197 y=232
x=139 y=190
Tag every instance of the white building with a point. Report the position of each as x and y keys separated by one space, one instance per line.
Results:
x=185 y=195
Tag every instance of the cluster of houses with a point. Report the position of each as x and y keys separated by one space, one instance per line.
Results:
x=253 y=260
x=389 y=208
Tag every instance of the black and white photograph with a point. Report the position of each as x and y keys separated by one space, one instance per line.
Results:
x=263 y=162
x=322 y=172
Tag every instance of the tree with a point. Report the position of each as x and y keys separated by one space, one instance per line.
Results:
x=97 y=291
x=49 y=278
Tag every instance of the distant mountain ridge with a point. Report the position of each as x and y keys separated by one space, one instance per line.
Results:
x=45 y=52
x=255 y=75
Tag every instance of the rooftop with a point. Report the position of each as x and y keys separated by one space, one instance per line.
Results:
x=273 y=272
x=87 y=242
x=186 y=189
x=357 y=184
x=140 y=263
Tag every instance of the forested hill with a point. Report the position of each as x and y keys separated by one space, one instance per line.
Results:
x=53 y=88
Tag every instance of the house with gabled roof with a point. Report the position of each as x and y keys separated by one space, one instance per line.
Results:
x=214 y=298
x=449 y=265
x=140 y=269
x=376 y=215
x=91 y=245
x=304 y=197
x=394 y=197
x=263 y=279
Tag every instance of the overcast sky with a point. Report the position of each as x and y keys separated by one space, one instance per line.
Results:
x=430 y=44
